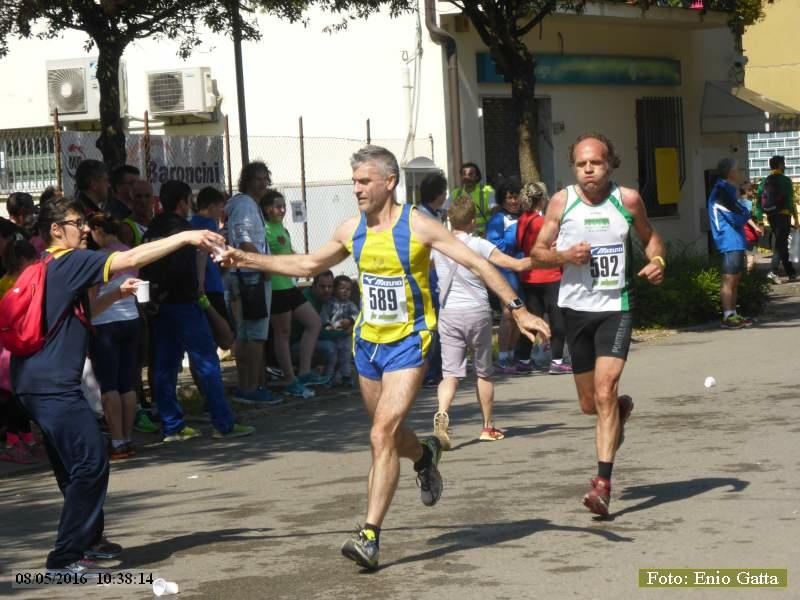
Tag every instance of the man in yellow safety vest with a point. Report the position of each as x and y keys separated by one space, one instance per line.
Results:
x=482 y=195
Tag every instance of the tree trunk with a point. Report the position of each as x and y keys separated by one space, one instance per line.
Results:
x=111 y=141
x=523 y=84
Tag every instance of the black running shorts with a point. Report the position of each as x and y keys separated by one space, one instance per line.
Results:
x=593 y=334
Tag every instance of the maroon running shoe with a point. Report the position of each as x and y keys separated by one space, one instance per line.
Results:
x=599 y=497
x=625 y=409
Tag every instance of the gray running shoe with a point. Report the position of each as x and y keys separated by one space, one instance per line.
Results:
x=429 y=479
x=362 y=549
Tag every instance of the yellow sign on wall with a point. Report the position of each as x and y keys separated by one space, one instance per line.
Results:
x=668 y=185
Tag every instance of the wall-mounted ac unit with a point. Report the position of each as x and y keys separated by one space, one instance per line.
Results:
x=73 y=89
x=182 y=92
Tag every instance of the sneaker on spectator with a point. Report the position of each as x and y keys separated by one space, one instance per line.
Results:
x=103 y=550
x=505 y=368
x=773 y=277
x=143 y=423
x=187 y=433
x=85 y=568
x=524 y=367
x=313 y=378
x=735 y=322
x=257 y=396
x=236 y=431
x=298 y=390
x=562 y=368
x=18 y=453
x=119 y=453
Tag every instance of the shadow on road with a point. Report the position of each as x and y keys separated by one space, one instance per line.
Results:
x=673 y=491
x=156 y=552
x=471 y=537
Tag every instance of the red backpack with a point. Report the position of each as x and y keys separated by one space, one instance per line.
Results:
x=22 y=312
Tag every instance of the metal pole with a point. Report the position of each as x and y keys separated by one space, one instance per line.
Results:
x=237 y=55
x=369 y=134
x=228 y=156
x=57 y=143
x=430 y=137
x=303 y=185
x=147 y=153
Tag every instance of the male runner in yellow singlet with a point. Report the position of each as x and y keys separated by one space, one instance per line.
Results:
x=391 y=244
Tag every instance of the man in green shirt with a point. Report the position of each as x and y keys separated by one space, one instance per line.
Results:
x=482 y=195
x=775 y=199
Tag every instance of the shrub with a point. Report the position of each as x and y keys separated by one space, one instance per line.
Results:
x=689 y=294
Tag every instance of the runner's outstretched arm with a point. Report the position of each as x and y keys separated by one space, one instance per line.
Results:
x=651 y=240
x=433 y=234
x=296 y=265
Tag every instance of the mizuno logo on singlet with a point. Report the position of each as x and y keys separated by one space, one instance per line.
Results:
x=606 y=250
x=383 y=282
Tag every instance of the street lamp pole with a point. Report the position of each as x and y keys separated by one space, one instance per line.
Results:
x=237 y=54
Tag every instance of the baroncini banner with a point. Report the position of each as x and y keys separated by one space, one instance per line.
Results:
x=197 y=160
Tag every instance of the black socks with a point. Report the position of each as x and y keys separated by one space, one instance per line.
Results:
x=604 y=470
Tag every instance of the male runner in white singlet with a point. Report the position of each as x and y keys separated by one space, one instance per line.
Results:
x=590 y=223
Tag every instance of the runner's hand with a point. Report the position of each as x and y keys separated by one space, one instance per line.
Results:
x=653 y=272
x=232 y=257
x=579 y=254
x=530 y=325
x=207 y=240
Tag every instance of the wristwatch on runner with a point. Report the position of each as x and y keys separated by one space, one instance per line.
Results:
x=515 y=304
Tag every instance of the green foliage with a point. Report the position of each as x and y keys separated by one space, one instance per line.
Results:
x=689 y=294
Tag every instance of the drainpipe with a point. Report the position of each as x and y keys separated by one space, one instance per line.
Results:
x=441 y=37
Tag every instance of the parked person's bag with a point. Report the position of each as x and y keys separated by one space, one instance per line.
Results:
x=253 y=296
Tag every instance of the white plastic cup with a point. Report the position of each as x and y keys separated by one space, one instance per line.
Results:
x=162 y=587
x=217 y=252
x=143 y=292
x=710 y=382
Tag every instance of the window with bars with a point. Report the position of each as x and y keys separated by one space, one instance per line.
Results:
x=659 y=124
x=27 y=161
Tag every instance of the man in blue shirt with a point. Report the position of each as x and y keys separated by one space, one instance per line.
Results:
x=728 y=216
x=48 y=383
x=181 y=325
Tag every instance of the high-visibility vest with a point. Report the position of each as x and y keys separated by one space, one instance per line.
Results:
x=480 y=198
x=136 y=228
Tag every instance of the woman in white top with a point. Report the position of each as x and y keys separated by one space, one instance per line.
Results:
x=114 y=348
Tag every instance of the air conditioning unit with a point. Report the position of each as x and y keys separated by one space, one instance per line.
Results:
x=181 y=92
x=73 y=89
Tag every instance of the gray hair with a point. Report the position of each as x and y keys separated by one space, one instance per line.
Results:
x=378 y=155
x=725 y=166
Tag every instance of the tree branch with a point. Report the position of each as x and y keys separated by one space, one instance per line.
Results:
x=547 y=9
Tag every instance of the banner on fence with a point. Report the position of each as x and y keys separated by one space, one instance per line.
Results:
x=196 y=160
